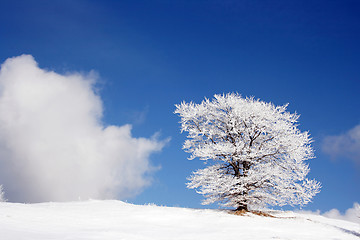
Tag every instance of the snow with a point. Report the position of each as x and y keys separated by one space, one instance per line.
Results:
x=255 y=150
x=113 y=219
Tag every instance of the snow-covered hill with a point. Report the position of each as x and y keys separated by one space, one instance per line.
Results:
x=118 y=220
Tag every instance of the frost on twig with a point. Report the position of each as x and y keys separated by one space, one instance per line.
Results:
x=256 y=150
x=2 y=194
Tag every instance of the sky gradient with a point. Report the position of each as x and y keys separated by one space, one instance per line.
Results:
x=150 y=55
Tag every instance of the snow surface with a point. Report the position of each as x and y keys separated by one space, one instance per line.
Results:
x=118 y=220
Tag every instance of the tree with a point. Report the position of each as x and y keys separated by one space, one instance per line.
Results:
x=254 y=150
x=2 y=194
x=357 y=209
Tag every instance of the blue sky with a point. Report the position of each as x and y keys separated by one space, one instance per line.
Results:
x=151 y=55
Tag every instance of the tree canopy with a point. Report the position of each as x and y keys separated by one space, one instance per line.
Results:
x=254 y=152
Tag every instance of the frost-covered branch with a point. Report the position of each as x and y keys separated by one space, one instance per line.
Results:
x=257 y=150
x=2 y=194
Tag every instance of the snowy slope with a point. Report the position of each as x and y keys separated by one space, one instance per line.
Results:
x=119 y=220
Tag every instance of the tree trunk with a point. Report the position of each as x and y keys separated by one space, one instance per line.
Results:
x=242 y=207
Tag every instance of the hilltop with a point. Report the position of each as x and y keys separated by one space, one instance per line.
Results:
x=119 y=220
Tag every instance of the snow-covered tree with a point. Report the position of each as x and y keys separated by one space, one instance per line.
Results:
x=254 y=149
x=2 y=194
x=357 y=209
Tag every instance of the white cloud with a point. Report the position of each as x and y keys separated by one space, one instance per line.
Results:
x=351 y=214
x=347 y=144
x=53 y=145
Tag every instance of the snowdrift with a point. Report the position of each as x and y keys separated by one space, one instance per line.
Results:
x=118 y=220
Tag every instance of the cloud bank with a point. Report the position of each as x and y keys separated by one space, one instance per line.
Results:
x=346 y=145
x=53 y=145
x=351 y=214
